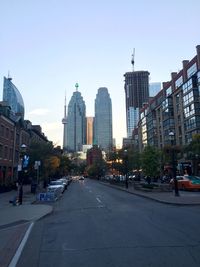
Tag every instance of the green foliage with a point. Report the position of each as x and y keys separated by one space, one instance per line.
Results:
x=194 y=147
x=97 y=169
x=150 y=161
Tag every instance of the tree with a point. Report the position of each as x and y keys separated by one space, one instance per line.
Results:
x=51 y=165
x=39 y=151
x=150 y=161
x=193 y=153
x=65 y=165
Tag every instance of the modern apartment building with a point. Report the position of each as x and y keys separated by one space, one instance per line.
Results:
x=103 y=136
x=76 y=122
x=175 y=108
x=136 y=93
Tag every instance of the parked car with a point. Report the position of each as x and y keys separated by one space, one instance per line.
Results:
x=54 y=185
x=64 y=181
x=187 y=182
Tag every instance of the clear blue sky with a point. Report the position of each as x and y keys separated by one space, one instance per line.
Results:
x=49 y=45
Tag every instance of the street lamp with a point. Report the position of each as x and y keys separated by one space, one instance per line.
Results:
x=21 y=170
x=126 y=167
x=172 y=139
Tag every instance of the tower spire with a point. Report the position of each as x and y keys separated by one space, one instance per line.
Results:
x=77 y=86
x=133 y=59
x=65 y=114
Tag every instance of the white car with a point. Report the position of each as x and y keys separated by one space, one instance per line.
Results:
x=56 y=185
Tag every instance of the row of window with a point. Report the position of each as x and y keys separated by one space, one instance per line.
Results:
x=192 y=70
x=6 y=152
x=6 y=132
x=189 y=111
x=188 y=98
x=187 y=86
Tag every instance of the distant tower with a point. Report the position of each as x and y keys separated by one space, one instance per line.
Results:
x=64 y=121
x=89 y=122
x=76 y=122
x=103 y=120
x=12 y=96
x=133 y=59
x=136 y=92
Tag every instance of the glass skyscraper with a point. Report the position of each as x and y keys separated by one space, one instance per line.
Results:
x=13 y=97
x=103 y=120
x=76 y=123
x=137 y=92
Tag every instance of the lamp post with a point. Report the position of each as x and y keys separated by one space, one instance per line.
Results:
x=21 y=169
x=172 y=139
x=126 y=167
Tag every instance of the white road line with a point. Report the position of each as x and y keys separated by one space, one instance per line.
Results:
x=98 y=199
x=18 y=253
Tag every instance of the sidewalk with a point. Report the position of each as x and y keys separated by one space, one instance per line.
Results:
x=25 y=212
x=15 y=221
x=185 y=198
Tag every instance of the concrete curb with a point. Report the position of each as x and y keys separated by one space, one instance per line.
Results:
x=150 y=197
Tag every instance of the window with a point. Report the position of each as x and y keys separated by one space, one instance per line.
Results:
x=2 y=130
x=192 y=70
x=179 y=82
x=188 y=98
x=7 y=133
x=1 y=151
x=168 y=91
x=188 y=111
x=187 y=86
x=5 y=152
x=191 y=123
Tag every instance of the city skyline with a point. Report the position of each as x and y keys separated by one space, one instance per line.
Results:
x=48 y=46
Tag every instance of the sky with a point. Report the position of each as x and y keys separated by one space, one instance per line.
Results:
x=48 y=46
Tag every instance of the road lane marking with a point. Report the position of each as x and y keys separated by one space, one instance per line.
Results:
x=98 y=200
x=18 y=253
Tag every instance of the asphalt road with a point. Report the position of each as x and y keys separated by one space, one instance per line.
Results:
x=97 y=226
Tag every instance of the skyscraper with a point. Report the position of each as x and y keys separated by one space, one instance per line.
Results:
x=76 y=122
x=89 y=127
x=136 y=92
x=64 y=121
x=12 y=96
x=103 y=120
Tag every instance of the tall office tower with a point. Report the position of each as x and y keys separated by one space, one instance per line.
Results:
x=154 y=88
x=12 y=96
x=76 y=122
x=89 y=127
x=64 y=121
x=103 y=120
x=136 y=92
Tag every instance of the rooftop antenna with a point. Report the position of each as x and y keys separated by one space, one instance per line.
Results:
x=76 y=85
x=65 y=114
x=133 y=59
x=9 y=77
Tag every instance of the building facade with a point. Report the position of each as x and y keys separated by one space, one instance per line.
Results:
x=14 y=131
x=136 y=93
x=89 y=130
x=76 y=123
x=103 y=136
x=175 y=108
x=64 y=121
